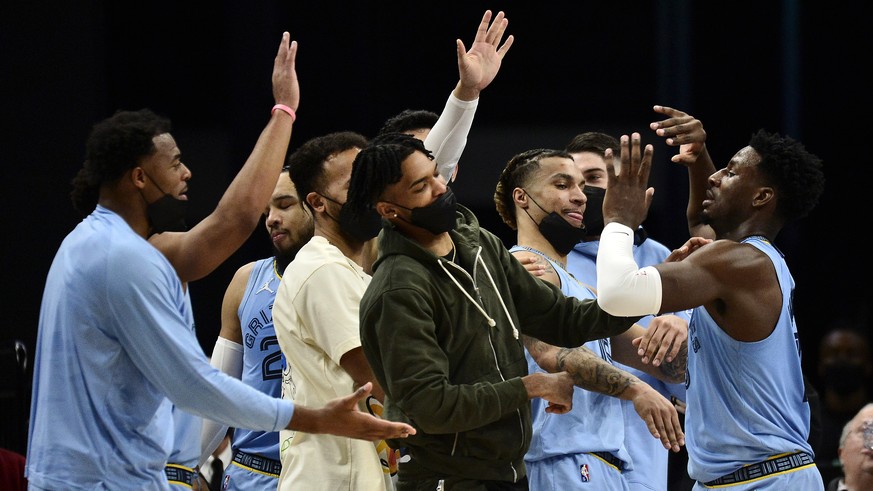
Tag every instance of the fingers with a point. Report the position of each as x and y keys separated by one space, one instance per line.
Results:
x=496 y=29
x=482 y=31
x=610 y=166
x=662 y=340
x=663 y=424
x=675 y=437
x=292 y=53
x=378 y=429
x=554 y=408
x=636 y=160
x=461 y=49
x=532 y=266
x=678 y=404
x=362 y=393
x=506 y=45
x=283 y=44
x=676 y=117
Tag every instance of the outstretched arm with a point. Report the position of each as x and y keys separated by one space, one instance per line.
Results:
x=590 y=372
x=477 y=68
x=200 y=250
x=341 y=417
x=686 y=132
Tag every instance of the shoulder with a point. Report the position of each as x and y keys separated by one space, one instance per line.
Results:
x=241 y=277
x=730 y=257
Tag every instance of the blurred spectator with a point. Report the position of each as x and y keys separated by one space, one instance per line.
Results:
x=856 y=453
x=845 y=371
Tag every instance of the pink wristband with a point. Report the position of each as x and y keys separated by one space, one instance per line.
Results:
x=287 y=109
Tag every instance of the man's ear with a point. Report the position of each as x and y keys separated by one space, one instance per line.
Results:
x=763 y=196
x=519 y=197
x=138 y=177
x=315 y=200
x=386 y=209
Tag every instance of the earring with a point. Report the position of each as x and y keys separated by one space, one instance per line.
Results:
x=395 y=215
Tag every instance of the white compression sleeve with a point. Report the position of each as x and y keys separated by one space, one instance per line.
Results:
x=448 y=137
x=227 y=356
x=623 y=288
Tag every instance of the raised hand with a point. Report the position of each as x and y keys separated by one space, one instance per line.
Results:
x=681 y=130
x=286 y=89
x=479 y=65
x=627 y=197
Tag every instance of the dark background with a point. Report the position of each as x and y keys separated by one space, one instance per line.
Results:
x=799 y=68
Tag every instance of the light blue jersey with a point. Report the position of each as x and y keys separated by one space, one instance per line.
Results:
x=595 y=424
x=649 y=455
x=186 y=427
x=746 y=400
x=114 y=342
x=262 y=369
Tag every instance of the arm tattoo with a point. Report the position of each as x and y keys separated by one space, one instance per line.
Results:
x=590 y=372
x=541 y=261
x=674 y=371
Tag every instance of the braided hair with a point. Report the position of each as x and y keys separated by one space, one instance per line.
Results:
x=518 y=174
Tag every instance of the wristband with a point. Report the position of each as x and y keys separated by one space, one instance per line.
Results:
x=287 y=109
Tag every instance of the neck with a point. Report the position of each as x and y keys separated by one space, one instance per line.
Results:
x=439 y=245
x=863 y=480
x=768 y=230
x=130 y=206
x=350 y=248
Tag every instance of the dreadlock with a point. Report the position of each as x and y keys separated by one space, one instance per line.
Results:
x=377 y=167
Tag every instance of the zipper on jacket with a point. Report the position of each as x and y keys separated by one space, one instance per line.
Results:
x=492 y=323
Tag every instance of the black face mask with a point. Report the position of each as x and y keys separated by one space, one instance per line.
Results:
x=844 y=377
x=558 y=231
x=594 y=216
x=437 y=217
x=361 y=228
x=594 y=211
x=167 y=214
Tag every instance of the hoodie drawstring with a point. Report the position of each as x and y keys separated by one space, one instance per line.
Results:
x=491 y=321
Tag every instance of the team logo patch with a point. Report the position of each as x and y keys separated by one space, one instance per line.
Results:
x=584 y=474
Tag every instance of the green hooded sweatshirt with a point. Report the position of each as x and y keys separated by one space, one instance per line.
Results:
x=442 y=339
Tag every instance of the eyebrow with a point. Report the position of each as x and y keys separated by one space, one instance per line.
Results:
x=283 y=196
x=418 y=181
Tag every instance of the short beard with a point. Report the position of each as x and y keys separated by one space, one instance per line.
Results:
x=284 y=258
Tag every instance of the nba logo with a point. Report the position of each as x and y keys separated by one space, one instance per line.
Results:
x=583 y=473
